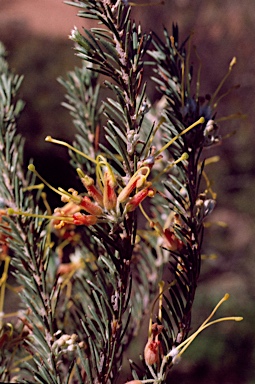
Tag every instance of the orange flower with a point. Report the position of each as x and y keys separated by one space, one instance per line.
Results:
x=133 y=203
x=138 y=180
x=70 y=214
x=67 y=212
x=81 y=219
x=102 y=204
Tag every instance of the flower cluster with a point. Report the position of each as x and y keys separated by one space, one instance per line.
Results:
x=105 y=201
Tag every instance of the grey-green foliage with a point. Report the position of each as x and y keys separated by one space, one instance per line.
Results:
x=101 y=332
x=76 y=327
x=27 y=242
x=82 y=89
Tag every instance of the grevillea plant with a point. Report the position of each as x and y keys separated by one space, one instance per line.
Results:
x=126 y=246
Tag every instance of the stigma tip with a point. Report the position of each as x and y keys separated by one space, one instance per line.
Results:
x=31 y=167
x=232 y=63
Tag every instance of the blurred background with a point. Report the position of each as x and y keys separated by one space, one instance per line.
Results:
x=36 y=37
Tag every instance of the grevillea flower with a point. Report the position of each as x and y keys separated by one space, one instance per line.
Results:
x=153 y=348
x=138 y=181
x=90 y=207
x=172 y=242
x=68 y=210
x=167 y=234
x=89 y=184
x=137 y=199
x=106 y=200
x=81 y=219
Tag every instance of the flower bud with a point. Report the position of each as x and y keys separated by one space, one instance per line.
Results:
x=109 y=196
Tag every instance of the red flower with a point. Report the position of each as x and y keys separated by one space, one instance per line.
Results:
x=153 y=348
x=90 y=207
x=133 y=203
x=138 y=180
x=81 y=219
x=93 y=192
x=172 y=242
x=109 y=196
